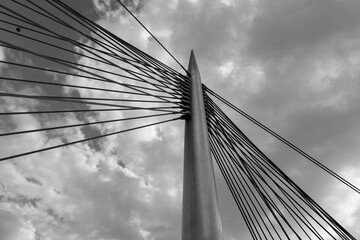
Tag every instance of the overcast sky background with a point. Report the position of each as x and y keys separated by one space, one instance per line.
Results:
x=291 y=64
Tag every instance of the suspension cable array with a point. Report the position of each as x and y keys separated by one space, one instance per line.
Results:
x=272 y=205
x=60 y=63
x=297 y=149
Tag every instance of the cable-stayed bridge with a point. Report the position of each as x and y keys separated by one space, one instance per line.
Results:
x=65 y=44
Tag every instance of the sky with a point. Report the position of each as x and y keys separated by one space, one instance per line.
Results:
x=292 y=65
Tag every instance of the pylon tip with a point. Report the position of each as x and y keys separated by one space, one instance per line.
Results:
x=192 y=61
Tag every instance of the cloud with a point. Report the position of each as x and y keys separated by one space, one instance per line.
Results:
x=287 y=27
x=226 y=69
x=2 y=57
x=291 y=64
x=343 y=203
x=9 y=225
x=79 y=193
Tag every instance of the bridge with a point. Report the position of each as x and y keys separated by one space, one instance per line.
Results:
x=75 y=69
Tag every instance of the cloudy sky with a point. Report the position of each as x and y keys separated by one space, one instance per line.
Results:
x=292 y=65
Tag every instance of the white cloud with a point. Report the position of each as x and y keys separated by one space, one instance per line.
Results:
x=226 y=69
x=228 y=3
x=326 y=71
x=2 y=57
x=193 y=1
x=344 y=202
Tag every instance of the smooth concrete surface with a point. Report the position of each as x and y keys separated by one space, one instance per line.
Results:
x=201 y=218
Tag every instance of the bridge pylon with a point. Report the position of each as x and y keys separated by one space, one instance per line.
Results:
x=200 y=215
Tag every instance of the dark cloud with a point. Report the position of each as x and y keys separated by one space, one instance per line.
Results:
x=91 y=131
x=34 y=181
x=21 y=200
x=104 y=7
x=121 y=163
x=84 y=7
x=208 y=28
x=51 y=212
x=287 y=27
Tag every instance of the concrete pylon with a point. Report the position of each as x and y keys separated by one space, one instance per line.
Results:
x=200 y=217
